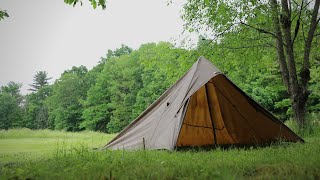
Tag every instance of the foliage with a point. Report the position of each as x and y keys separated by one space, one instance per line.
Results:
x=10 y=102
x=130 y=82
x=65 y=108
x=36 y=111
x=123 y=50
x=94 y=3
x=36 y=115
x=40 y=80
x=3 y=14
x=10 y=113
x=125 y=82
x=97 y=111
x=13 y=89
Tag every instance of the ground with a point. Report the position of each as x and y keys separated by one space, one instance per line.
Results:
x=45 y=154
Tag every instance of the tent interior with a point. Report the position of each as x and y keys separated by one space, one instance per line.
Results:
x=219 y=113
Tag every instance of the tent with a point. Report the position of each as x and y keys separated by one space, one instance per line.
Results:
x=203 y=108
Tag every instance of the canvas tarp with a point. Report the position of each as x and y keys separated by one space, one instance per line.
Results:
x=202 y=108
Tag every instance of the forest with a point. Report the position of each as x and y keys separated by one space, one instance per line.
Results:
x=126 y=81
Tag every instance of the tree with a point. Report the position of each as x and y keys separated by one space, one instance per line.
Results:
x=10 y=101
x=123 y=50
x=37 y=115
x=40 y=80
x=13 y=89
x=10 y=112
x=289 y=23
x=125 y=82
x=97 y=106
x=65 y=104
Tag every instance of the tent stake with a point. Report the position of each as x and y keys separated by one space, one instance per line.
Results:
x=144 y=144
x=213 y=127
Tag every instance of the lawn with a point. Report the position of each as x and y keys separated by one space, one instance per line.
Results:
x=45 y=154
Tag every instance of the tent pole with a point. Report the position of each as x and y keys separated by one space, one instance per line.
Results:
x=209 y=106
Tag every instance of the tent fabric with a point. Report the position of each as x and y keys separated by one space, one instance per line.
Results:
x=202 y=108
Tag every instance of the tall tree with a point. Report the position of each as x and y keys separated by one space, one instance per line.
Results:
x=10 y=112
x=284 y=21
x=36 y=111
x=13 y=89
x=40 y=80
x=97 y=106
x=125 y=82
x=65 y=104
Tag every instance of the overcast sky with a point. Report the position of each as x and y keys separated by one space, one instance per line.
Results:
x=49 y=35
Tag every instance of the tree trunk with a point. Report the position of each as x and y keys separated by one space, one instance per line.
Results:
x=298 y=91
x=279 y=44
x=305 y=71
x=298 y=97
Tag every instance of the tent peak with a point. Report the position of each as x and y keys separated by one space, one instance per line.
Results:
x=203 y=63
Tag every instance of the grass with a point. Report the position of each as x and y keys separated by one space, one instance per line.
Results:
x=45 y=154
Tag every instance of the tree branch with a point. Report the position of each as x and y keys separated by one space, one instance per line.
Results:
x=220 y=34
x=261 y=30
x=246 y=47
x=296 y=30
x=305 y=72
x=258 y=29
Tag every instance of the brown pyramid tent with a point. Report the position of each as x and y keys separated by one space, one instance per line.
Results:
x=202 y=108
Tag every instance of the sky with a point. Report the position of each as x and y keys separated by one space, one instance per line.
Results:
x=49 y=35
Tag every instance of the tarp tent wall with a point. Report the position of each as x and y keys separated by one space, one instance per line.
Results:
x=202 y=108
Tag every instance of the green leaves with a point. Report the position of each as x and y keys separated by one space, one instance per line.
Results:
x=94 y=3
x=10 y=105
x=65 y=107
x=40 y=80
x=3 y=14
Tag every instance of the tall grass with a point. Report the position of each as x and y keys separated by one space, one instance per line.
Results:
x=73 y=157
x=312 y=127
x=46 y=133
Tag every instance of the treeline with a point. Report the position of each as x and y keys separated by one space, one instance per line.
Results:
x=125 y=82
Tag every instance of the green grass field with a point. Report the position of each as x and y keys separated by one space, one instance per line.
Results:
x=45 y=154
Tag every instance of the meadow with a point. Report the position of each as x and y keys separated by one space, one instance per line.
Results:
x=46 y=154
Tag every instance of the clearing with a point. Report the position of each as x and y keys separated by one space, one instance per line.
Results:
x=45 y=154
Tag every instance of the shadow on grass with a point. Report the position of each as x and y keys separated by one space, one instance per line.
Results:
x=275 y=144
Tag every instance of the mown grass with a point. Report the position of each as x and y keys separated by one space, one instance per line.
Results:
x=44 y=154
